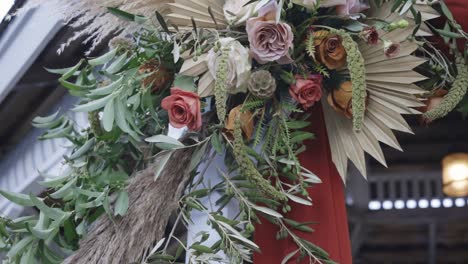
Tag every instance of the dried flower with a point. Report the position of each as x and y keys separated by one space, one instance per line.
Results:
x=370 y=35
x=158 y=77
x=269 y=40
x=262 y=84
x=121 y=43
x=183 y=108
x=307 y=91
x=246 y=122
x=238 y=64
x=329 y=49
x=391 y=49
x=341 y=99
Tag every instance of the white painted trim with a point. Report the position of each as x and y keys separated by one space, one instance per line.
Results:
x=21 y=44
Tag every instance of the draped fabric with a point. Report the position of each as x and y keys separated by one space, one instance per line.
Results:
x=328 y=210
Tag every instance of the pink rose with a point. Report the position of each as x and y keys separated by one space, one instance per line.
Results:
x=183 y=108
x=307 y=91
x=349 y=7
x=269 y=40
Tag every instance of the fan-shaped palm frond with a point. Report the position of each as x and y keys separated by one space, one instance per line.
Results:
x=392 y=93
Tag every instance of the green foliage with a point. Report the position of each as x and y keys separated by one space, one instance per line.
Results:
x=455 y=94
x=357 y=73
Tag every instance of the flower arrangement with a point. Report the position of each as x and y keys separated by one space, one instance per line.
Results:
x=241 y=77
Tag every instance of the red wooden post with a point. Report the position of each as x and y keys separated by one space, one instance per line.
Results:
x=329 y=210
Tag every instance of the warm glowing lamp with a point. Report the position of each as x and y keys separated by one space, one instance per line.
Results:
x=455 y=174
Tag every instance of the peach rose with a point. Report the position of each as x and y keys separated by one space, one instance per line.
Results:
x=183 y=108
x=330 y=51
x=307 y=91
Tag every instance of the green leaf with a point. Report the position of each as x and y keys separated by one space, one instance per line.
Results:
x=165 y=142
x=83 y=149
x=202 y=248
x=103 y=59
x=186 y=83
x=64 y=190
x=108 y=116
x=162 y=159
x=40 y=229
x=298 y=199
x=76 y=87
x=267 y=211
x=17 y=198
x=162 y=22
x=197 y=156
x=54 y=182
x=72 y=70
x=122 y=14
x=28 y=256
x=53 y=213
x=301 y=136
x=118 y=64
x=105 y=90
x=92 y=204
x=448 y=34
x=289 y=256
x=94 y=105
x=216 y=143
x=46 y=119
x=297 y=124
x=446 y=11
x=121 y=205
x=20 y=246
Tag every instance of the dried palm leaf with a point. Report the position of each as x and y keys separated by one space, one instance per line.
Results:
x=392 y=93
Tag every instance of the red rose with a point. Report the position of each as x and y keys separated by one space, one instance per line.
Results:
x=183 y=108
x=307 y=91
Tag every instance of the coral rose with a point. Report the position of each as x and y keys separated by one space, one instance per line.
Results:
x=307 y=91
x=330 y=50
x=269 y=40
x=183 y=108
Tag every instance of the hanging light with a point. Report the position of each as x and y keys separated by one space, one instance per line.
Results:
x=455 y=174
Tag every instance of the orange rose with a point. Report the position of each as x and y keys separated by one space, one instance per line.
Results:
x=329 y=50
x=341 y=99
x=247 y=122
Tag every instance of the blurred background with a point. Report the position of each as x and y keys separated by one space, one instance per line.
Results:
x=416 y=211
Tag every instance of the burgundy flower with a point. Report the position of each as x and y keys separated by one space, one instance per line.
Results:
x=183 y=108
x=370 y=35
x=307 y=91
x=391 y=49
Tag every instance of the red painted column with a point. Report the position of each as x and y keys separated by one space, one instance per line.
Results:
x=329 y=210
